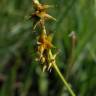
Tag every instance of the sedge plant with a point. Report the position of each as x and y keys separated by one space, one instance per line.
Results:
x=44 y=44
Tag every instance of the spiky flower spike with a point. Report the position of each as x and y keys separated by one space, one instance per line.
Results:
x=40 y=14
x=44 y=44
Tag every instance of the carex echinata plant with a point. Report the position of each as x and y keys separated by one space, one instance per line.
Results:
x=44 y=44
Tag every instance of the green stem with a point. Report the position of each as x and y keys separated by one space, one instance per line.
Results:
x=63 y=79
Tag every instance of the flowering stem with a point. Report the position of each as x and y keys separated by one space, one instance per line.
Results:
x=63 y=79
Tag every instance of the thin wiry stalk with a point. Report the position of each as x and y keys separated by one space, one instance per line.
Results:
x=63 y=79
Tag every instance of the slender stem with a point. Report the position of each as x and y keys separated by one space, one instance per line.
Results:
x=63 y=79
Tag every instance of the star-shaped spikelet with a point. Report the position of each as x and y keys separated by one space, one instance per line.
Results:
x=51 y=59
x=40 y=14
x=44 y=43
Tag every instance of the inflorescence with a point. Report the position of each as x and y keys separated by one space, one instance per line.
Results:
x=44 y=40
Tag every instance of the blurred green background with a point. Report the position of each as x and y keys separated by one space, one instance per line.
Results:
x=20 y=75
